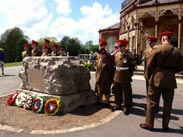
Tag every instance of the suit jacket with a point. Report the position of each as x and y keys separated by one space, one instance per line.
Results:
x=124 y=60
x=164 y=62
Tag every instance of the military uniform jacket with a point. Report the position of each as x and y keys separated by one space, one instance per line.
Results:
x=26 y=53
x=105 y=69
x=122 y=61
x=162 y=65
x=36 y=52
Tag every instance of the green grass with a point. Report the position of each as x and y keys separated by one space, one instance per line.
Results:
x=13 y=64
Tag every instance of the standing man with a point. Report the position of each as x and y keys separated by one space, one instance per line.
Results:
x=45 y=50
x=55 y=51
x=26 y=51
x=35 y=50
x=125 y=65
x=147 y=54
x=2 y=56
x=104 y=76
x=164 y=62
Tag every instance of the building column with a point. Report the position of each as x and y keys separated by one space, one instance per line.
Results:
x=179 y=34
x=156 y=29
x=136 y=38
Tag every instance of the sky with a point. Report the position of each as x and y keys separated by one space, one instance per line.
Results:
x=58 y=18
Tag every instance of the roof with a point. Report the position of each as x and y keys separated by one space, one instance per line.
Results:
x=152 y=2
x=114 y=26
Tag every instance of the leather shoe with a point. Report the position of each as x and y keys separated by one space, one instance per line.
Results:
x=126 y=112
x=165 y=129
x=146 y=127
x=114 y=108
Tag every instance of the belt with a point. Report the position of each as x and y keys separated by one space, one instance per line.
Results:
x=122 y=68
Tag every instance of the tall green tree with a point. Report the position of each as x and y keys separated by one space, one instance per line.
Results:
x=71 y=45
x=10 y=39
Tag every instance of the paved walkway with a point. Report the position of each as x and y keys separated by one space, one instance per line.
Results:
x=117 y=124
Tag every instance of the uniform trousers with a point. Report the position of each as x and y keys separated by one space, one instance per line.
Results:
x=123 y=94
x=152 y=100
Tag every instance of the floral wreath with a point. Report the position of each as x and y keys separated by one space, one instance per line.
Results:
x=20 y=99
x=52 y=106
x=27 y=104
x=12 y=98
x=37 y=104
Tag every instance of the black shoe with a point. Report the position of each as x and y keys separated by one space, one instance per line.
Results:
x=105 y=105
x=2 y=73
x=146 y=127
x=114 y=108
x=126 y=112
x=165 y=129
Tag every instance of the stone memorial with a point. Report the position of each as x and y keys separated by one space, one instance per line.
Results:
x=62 y=77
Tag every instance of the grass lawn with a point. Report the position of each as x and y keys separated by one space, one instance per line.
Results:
x=13 y=64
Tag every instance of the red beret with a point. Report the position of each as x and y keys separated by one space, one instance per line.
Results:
x=26 y=45
x=55 y=45
x=122 y=42
x=152 y=38
x=102 y=42
x=35 y=42
x=166 y=33
x=46 y=40
x=45 y=46
x=116 y=47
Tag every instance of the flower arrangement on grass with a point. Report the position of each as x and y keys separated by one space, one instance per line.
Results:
x=20 y=99
x=37 y=104
x=27 y=104
x=52 y=106
x=12 y=98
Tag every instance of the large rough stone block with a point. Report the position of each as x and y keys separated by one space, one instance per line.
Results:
x=54 y=75
x=61 y=77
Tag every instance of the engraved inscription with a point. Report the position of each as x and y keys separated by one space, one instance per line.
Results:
x=36 y=80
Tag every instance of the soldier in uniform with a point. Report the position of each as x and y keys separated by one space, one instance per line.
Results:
x=125 y=65
x=161 y=67
x=55 y=51
x=62 y=51
x=147 y=53
x=26 y=51
x=35 y=50
x=104 y=75
x=103 y=45
x=46 y=50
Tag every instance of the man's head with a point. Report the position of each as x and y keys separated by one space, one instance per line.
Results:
x=102 y=44
x=166 y=37
x=34 y=44
x=152 y=41
x=122 y=44
x=102 y=53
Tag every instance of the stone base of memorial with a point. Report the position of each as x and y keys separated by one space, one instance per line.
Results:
x=61 y=77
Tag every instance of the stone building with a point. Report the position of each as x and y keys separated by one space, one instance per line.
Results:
x=142 y=18
x=111 y=35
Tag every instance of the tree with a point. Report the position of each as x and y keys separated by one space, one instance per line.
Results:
x=10 y=40
x=71 y=45
x=90 y=47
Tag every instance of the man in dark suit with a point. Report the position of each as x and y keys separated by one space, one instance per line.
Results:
x=164 y=62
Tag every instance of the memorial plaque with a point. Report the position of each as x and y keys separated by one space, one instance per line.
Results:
x=35 y=80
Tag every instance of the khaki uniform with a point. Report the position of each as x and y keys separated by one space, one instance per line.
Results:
x=36 y=52
x=26 y=54
x=160 y=71
x=125 y=65
x=53 y=53
x=45 y=54
x=104 y=74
